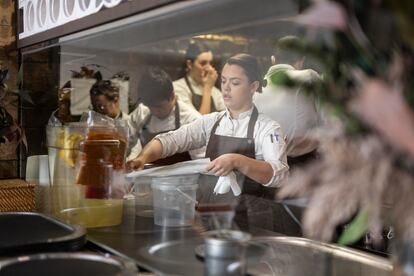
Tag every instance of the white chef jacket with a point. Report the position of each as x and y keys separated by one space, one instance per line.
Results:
x=296 y=113
x=268 y=138
x=140 y=115
x=122 y=116
x=183 y=92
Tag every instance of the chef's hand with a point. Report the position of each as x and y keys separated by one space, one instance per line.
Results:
x=209 y=77
x=223 y=165
x=136 y=164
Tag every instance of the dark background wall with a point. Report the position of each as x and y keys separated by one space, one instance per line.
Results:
x=10 y=101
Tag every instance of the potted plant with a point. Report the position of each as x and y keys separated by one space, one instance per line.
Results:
x=367 y=161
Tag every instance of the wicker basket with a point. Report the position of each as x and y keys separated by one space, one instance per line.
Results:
x=16 y=195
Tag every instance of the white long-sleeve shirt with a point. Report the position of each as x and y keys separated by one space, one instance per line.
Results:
x=296 y=113
x=139 y=117
x=183 y=92
x=268 y=138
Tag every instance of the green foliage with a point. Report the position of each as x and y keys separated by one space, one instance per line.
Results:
x=356 y=229
x=356 y=50
x=282 y=79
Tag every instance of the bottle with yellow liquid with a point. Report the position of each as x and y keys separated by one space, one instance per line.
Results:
x=93 y=198
x=95 y=213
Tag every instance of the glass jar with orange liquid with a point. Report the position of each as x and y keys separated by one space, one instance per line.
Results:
x=94 y=195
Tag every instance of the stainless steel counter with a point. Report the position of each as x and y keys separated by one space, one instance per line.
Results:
x=137 y=234
x=171 y=251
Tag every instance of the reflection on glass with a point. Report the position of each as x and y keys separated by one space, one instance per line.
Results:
x=107 y=71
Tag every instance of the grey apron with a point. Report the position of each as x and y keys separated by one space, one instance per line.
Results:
x=196 y=99
x=146 y=136
x=253 y=205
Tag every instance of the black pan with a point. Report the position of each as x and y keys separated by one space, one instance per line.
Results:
x=34 y=232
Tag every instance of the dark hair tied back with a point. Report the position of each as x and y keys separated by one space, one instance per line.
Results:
x=195 y=49
x=106 y=88
x=155 y=86
x=250 y=66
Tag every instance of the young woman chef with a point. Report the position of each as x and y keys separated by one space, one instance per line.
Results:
x=238 y=139
x=197 y=88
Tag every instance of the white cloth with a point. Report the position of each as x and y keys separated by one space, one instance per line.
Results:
x=269 y=144
x=224 y=184
x=295 y=112
x=183 y=92
x=140 y=115
x=80 y=99
x=187 y=167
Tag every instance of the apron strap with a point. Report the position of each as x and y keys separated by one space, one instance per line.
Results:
x=250 y=129
x=252 y=122
x=146 y=122
x=191 y=89
x=213 y=130
x=177 y=115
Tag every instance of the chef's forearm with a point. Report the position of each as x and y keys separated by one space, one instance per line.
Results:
x=205 y=106
x=152 y=151
x=258 y=170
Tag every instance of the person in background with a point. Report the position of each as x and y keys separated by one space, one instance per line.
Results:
x=296 y=112
x=238 y=139
x=160 y=112
x=197 y=88
x=105 y=99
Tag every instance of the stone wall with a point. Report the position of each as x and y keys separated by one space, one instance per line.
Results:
x=9 y=60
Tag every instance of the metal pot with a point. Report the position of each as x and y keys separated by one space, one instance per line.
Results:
x=69 y=264
x=225 y=243
x=225 y=252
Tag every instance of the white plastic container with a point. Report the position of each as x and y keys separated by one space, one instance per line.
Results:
x=174 y=199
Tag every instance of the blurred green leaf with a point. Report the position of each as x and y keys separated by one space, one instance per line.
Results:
x=306 y=49
x=356 y=229
x=403 y=12
x=282 y=79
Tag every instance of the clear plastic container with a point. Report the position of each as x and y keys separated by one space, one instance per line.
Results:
x=63 y=151
x=174 y=199
x=143 y=196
